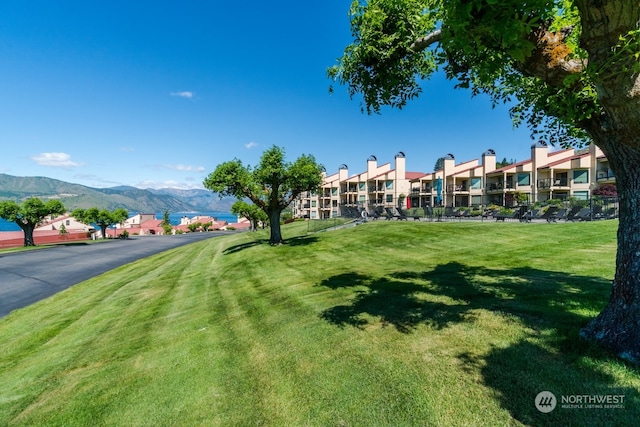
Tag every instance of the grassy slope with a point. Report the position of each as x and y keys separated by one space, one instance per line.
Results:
x=381 y=324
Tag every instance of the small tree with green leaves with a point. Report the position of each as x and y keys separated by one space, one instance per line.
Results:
x=29 y=214
x=272 y=185
x=103 y=218
x=63 y=232
x=193 y=227
x=166 y=223
x=253 y=213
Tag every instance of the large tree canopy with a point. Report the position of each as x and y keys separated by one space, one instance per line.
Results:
x=29 y=214
x=103 y=218
x=272 y=185
x=570 y=70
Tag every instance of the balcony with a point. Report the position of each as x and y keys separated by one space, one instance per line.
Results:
x=453 y=188
x=421 y=190
x=499 y=186
x=603 y=175
x=560 y=182
x=544 y=183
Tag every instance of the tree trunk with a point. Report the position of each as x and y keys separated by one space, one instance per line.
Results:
x=617 y=327
x=103 y=228
x=28 y=233
x=274 y=219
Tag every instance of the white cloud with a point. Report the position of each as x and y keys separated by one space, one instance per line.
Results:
x=58 y=160
x=251 y=145
x=184 y=168
x=184 y=94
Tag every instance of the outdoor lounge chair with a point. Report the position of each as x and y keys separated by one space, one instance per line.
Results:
x=560 y=214
x=546 y=215
x=571 y=216
x=502 y=217
x=400 y=215
x=610 y=213
x=584 y=215
x=372 y=213
x=489 y=213
x=395 y=213
x=529 y=215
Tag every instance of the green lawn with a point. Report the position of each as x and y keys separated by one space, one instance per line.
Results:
x=383 y=324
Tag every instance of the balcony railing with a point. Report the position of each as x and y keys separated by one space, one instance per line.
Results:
x=604 y=174
x=544 y=183
x=497 y=186
x=424 y=189
x=560 y=182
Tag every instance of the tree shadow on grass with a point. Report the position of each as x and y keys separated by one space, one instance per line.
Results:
x=242 y=246
x=301 y=240
x=548 y=304
x=294 y=241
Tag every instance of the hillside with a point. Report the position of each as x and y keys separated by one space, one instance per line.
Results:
x=133 y=199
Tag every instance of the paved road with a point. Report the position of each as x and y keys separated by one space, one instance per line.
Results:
x=29 y=276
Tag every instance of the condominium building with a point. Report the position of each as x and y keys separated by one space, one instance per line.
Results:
x=546 y=175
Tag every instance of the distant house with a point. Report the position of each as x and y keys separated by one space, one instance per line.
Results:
x=66 y=223
x=137 y=220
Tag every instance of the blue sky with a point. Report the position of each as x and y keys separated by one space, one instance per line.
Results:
x=156 y=94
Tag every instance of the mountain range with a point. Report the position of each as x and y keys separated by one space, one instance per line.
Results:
x=132 y=199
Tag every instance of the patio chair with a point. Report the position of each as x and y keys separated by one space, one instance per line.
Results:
x=584 y=215
x=610 y=213
x=372 y=213
x=490 y=213
x=502 y=217
x=529 y=215
x=388 y=213
x=400 y=215
x=571 y=216
x=560 y=214
x=547 y=215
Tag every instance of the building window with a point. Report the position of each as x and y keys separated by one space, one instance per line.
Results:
x=68 y=222
x=524 y=179
x=313 y=214
x=334 y=191
x=334 y=214
x=389 y=198
x=581 y=176
x=313 y=203
x=388 y=185
x=362 y=198
x=476 y=200
x=476 y=183
x=361 y=186
x=581 y=195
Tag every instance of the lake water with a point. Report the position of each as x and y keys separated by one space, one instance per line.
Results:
x=174 y=218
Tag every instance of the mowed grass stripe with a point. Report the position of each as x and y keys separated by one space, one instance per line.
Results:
x=387 y=323
x=118 y=322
